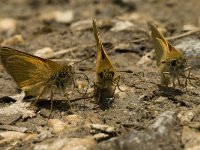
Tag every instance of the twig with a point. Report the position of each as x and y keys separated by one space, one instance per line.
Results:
x=140 y=40
x=61 y=52
x=183 y=35
x=67 y=59
x=169 y=38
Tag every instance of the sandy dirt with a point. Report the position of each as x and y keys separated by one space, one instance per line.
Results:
x=135 y=113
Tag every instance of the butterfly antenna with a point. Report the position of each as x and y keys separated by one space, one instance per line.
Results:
x=84 y=59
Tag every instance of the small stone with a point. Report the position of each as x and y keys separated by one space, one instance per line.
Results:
x=9 y=136
x=15 y=40
x=190 y=27
x=102 y=127
x=44 y=52
x=58 y=16
x=81 y=25
x=18 y=97
x=19 y=107
x=163 y=122
x=8 y=25
x=87 y=143
x=30 y=137
x=147 y=59
x=138 y=17
x=121 y=25
x=185 y=116
x=81 y=84
x=160 y=99
x=190 y=47
x=56 y=125
x=80 y=144
x=64 y=17
x=73 y=120
x=13 y=128
x=44 y=135
x=190 y=138
x=101 y=136
x=9 y=119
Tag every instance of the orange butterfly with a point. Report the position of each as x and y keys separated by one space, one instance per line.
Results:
x=105 y=73
x=34 y=75
x=170 y=61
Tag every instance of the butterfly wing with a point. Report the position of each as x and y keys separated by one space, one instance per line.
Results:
x=174 y=53
x=103 y=60
x=28 y=71
x=161 y=48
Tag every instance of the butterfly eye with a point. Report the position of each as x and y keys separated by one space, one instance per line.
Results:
x=173 y=63
x=163 y=62
x=61 y=74
x=111 y=74
x=101 y=75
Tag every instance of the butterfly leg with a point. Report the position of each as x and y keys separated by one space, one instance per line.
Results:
x=74 y=84
x=38 y=97
x=179 y=83
x=97 y=93
x=68 y=101
x=164 y=78
x=116 y=82
x=173 y=81
x=188 y=76
x=51 y=98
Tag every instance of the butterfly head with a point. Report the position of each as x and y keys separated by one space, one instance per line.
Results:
x=106 y=75
x=64 y=76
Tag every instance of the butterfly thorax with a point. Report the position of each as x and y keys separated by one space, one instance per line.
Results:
x=105 y=77
x=62 y=78
x=176 y=66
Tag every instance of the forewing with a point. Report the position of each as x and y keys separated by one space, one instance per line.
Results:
x=27 y=70
x=161 y=48
x=174 y=53
x=161 y=51
x=103 y=60
x=156 y=34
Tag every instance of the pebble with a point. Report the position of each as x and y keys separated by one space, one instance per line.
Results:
x=12 y=41
x=157 y=135
x=87 y=143
x=8 y=26
x=185 y=116
x=64 y=16
x=44 y=52
x=56 y=125
x=101 y=136
x=73 y=120
x=147 y=59
x=163 y=122
x=16 y=110
x=58 y=16
x=190 y=138
x=190 y=46
x=102 y=127
x=160 y=99
x=138 y=17
x=121 y=25
x=9 y=136
x=190 y=27
x=81 y=25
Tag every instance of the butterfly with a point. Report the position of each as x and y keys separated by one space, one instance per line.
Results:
x=105 y=73
x=36 y=76
x=171 y=62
